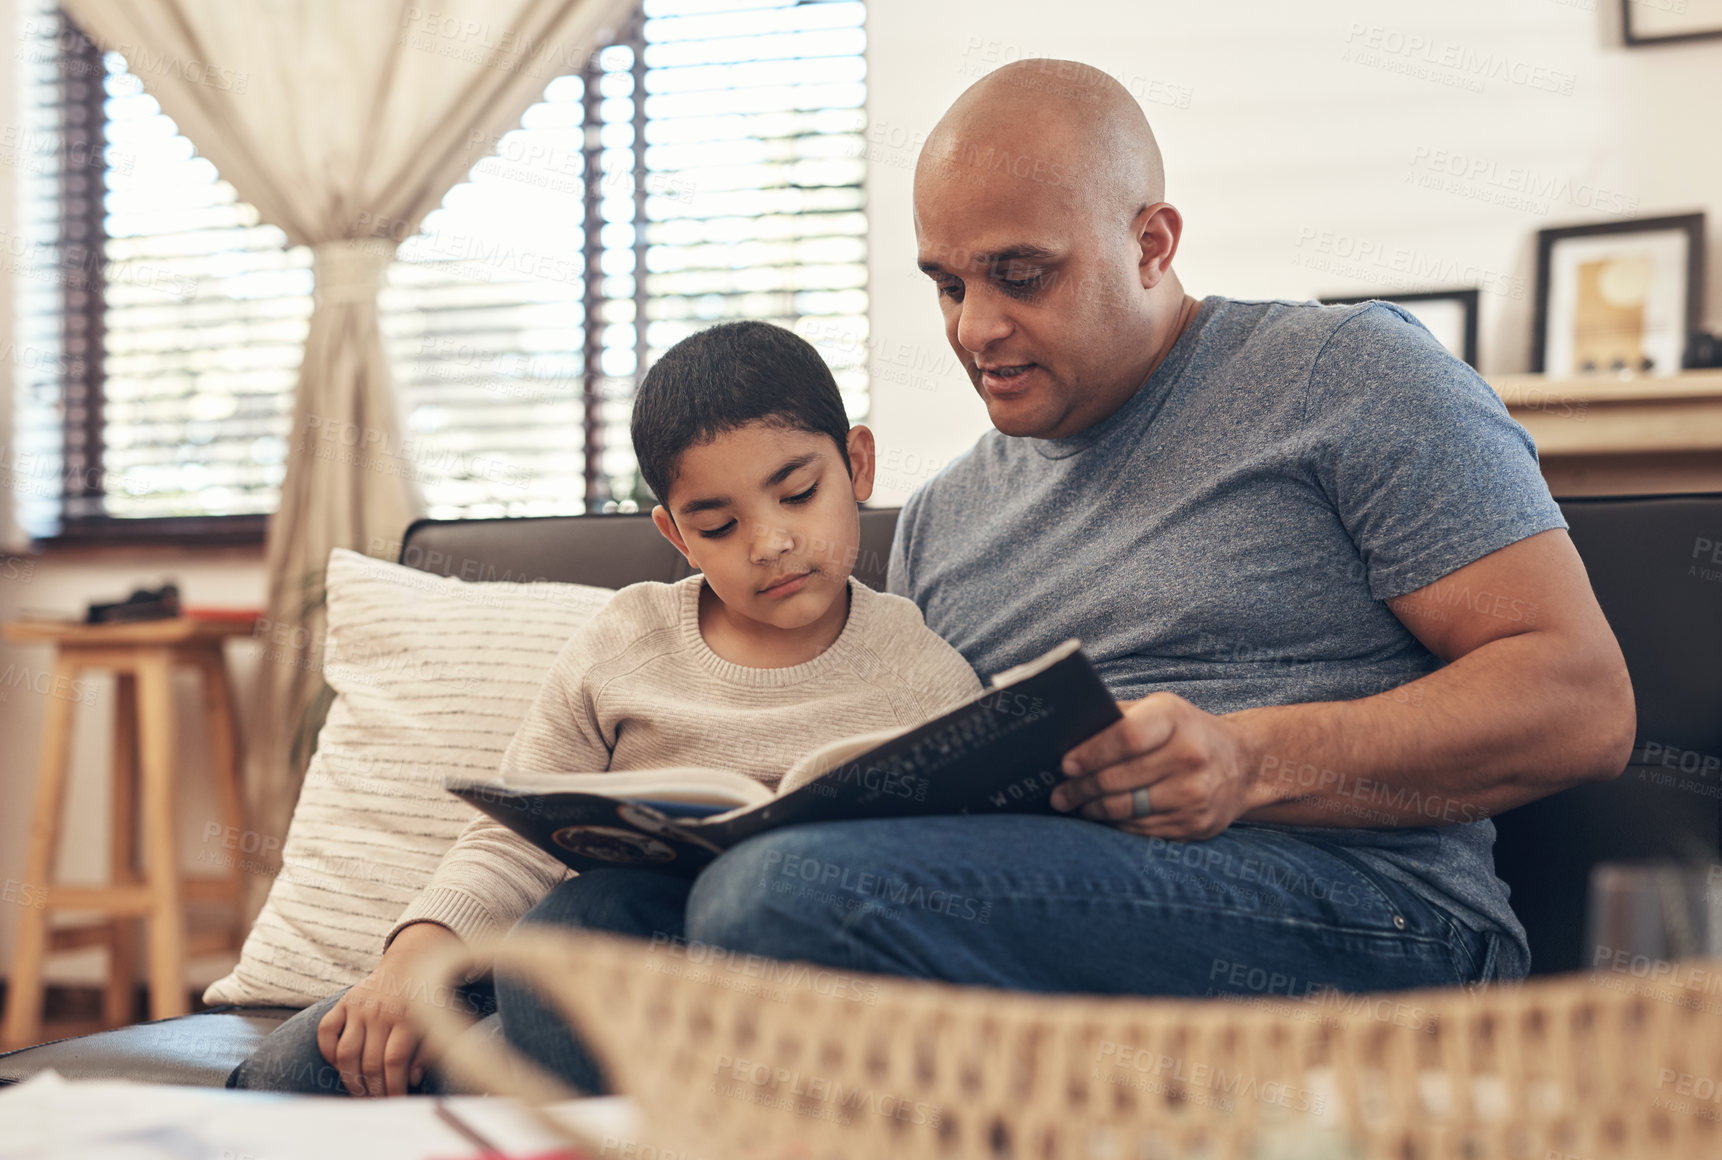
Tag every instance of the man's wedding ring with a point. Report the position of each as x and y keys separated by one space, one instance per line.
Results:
x=1139 y=804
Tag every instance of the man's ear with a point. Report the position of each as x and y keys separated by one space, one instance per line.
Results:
x=670 y=532
x=1158 y=228
x=862 y=460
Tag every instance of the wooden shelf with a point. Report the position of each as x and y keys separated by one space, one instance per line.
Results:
x=1622 y=436
x=1536 y=390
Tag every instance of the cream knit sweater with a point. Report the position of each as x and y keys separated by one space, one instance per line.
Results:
x=638 y=688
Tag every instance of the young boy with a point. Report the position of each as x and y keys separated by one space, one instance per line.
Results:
x=770 y=651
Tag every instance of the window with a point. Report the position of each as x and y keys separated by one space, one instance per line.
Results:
x=707 y=166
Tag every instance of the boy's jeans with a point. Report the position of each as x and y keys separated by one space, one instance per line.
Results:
x=1030 y=903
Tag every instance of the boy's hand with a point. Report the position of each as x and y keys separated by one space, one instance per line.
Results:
x=367 y=1036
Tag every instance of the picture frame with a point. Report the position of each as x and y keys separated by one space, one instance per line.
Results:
x=1618 y=297
x=1450 y=315
x=1646 y=23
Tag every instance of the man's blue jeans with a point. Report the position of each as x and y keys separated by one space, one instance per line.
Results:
x=1048 y=904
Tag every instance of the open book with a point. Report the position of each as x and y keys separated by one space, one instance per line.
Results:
x=996 y=753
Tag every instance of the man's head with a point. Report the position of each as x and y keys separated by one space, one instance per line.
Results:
x=1039 y=215
x=740 y=432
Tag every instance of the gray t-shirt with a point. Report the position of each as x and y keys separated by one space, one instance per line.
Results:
x=1230 y=535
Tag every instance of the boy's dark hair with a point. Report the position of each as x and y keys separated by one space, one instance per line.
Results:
x=722 y=378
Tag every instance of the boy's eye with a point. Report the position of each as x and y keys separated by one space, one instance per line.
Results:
x=802 y=497
x=719 y=532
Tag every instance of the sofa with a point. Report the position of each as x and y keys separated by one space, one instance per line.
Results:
x=1658 y=584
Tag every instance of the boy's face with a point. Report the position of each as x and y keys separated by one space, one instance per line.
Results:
x=769 y=515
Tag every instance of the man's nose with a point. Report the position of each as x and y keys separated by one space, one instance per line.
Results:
x=770 y=541
x=982 y=320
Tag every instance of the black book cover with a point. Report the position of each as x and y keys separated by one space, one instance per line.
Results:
x=997 y=753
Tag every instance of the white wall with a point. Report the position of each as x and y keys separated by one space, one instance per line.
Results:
x=1274 y=135
x=1282 y=138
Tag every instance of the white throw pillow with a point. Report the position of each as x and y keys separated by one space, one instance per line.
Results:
x=432 y=676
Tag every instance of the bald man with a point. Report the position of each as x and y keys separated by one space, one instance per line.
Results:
x=1306 y=548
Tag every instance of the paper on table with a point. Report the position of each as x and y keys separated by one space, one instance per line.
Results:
x=50 y=1118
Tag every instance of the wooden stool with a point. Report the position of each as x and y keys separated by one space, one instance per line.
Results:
x=142 y=655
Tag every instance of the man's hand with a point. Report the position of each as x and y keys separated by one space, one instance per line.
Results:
x=367 y=1036
x=1193 y=764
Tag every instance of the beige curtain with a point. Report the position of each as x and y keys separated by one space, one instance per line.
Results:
x=344 y=122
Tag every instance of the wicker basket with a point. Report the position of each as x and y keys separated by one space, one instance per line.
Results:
x=730 y=1057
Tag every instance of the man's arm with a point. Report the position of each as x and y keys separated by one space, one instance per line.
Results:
x=1534 y=698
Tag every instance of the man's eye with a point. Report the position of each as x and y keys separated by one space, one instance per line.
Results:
x=952 y=290
x=717 y=533
x=1024 y=283
x=803 y=497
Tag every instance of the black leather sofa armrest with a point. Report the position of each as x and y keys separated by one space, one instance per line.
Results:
x=195 y=1050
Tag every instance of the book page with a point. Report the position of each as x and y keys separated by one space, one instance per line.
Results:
x=833 y=754
x=692 y=785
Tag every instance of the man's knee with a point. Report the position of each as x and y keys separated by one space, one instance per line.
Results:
x=754 y=899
